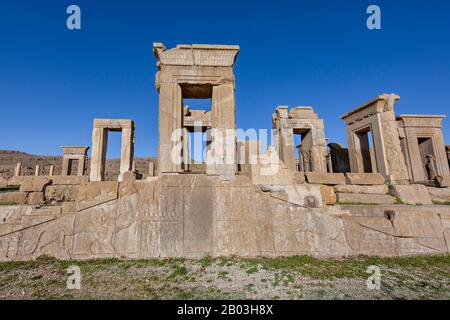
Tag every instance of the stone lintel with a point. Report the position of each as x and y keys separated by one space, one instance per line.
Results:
x=75 y=150
x=113 y=124
x=196 y=55
x=380 y=103
x=421 y=120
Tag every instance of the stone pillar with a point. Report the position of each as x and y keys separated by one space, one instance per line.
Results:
x=170 y=116
x=50 y=172
x=65 y=166
x=224 y=122
x=36 y=170
x=18 y=169
x=126 y=156
x=186 y=155
x=98 y=157
x=286 y=138
x=151 y=169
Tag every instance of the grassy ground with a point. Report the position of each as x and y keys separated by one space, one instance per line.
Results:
x=298 y=277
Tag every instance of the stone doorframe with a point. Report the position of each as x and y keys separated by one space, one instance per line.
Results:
x=411 y=129
x=71 y=153
x=100 y=143
x=287 y=123
x=195 y=72
x=377 y=115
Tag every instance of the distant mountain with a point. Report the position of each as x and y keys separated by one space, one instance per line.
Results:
x=9 y=159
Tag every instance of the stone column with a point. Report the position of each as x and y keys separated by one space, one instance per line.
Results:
x=186 y=155
x=170 y=116
x=224 y=122
x=126 y=155
x=65 y=166
x=151 y=169
x=36 y=170
x=18 y=169
x=98 y=157
x=50 y=172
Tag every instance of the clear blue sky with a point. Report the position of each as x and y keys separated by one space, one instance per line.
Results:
x=54 y=82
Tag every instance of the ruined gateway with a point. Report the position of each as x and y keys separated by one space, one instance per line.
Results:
x=383 y=195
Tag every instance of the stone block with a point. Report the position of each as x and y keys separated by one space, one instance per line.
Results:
x=439 y=194
x=69 y=180
x=32 y=184
x=328 y=195
x=59 y=193
x=298 y=177
x=13 y=197
x=325 y=178
x=364 y=178
x=411 y=194
x=3 y=182
x=444 y=181
x=69 y=206
x=95 y=193
x=357 y=198
x=376 y=189
x=36 y=198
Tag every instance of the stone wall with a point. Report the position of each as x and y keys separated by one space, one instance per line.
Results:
x=198 y=215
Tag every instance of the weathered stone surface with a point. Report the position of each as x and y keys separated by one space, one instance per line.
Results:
x=377 y=189
x=35 y=198
x=365 y=198
x=69 y=206
x=13 y=197
x=325 y=178
x=298 y=177
x=328 y=195
x=411 y=194
x=69 y=180
x=439 y=194
x=364 y=178
x=59 y=193
x=30 y=184
x=3 y=182
x=96 y=193
x=195 y=215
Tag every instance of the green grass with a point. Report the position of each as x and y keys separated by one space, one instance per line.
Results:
x=399 y=201
x=8 y=203
x=441 y=203
x=10 y=189
x=356 y=203
x=178 y=278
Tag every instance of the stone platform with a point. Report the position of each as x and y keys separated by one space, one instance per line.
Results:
x=196 y=215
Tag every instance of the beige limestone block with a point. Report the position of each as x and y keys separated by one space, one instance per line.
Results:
x=69 y=180
x=69 y=207
x=370 y=235
x=32 y=184
x=357 y=198
x=96 y=193
x=35 y=198
x=3 y=182
x=439 y=194
x=376 y=189
x=60 y=193
x=325 y=178
x=424 y=229
x=364 y=178
x=13 y=197
x=94 y=229
x=328 y=195
x=411 y=194
x=298 y=177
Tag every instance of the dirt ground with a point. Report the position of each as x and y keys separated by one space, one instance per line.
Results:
x=299 y=277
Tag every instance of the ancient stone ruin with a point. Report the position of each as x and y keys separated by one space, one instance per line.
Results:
x=387 y=194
